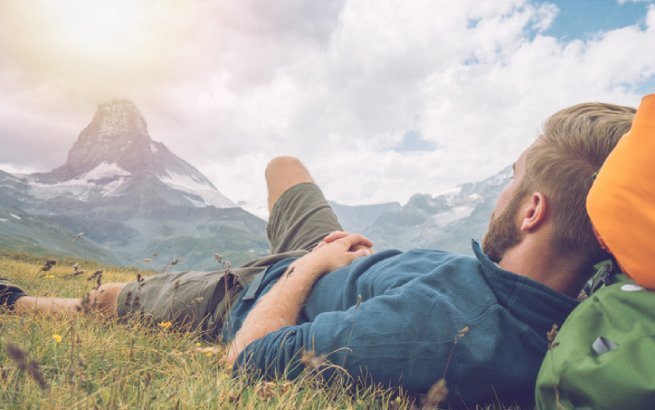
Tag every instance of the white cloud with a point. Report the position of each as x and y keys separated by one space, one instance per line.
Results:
x=622 y=2
x=339 y=84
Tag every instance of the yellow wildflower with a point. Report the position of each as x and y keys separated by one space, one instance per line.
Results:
x=164 y=325
x=49 y=276
x=57 y=338
x=222 y=379
x=198 y=344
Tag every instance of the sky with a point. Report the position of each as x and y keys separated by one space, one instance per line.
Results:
x=381 y=99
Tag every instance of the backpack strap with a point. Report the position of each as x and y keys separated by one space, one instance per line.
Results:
x=605 y=273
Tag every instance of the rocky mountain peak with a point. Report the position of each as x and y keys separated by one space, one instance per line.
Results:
x=115 y=156
x=117 y=118
x=117 y=134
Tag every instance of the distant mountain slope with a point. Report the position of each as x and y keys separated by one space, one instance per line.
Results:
x=131 y=197
x=24 y=232
x=448 y=221
x=361 y=217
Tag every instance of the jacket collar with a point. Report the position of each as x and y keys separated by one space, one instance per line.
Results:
x=529 y=301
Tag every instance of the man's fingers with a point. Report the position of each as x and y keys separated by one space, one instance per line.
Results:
x=370 y=250
x=361 y=240
x=355 y=239
x=335 y=236
x=330 y=238
x=362 y=252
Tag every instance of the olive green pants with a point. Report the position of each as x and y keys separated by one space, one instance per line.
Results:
x=200 y=301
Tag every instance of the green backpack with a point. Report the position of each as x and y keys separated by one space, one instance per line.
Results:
x=604 y=355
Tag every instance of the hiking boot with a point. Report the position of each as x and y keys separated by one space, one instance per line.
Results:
x=9 y=293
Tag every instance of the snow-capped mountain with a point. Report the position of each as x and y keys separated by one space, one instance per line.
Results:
x=448 y=221
x=114 y=156
x=130 y=197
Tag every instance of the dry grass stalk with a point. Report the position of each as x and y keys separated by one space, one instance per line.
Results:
x=30 y=366
x=439 y=392
x=170 y=265
x=310 y=360
x=47 y=265
x=97 y=275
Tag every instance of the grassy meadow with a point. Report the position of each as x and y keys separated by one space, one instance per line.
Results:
x=89 y=361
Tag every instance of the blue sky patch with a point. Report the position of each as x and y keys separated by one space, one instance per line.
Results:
x=580 y=19
x=413 y=142
x=648 y=86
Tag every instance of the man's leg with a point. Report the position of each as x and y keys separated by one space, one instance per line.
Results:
x=104 y=299
x=300 y=223
x=300 y=216
x=281 y=174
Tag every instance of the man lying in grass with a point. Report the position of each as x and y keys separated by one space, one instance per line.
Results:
x=399 y=319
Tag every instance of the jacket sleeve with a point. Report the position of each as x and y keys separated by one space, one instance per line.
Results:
x=392 y=339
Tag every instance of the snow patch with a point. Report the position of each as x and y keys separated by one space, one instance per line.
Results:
x=195 y=202
x=85 y=185
x=187 y=183
x=15 y=216
x=111 y=188
x=501 y=178
x=450 y=195
x=455 y=214
x=75 y=188
x=4 y=220
x=103 y=171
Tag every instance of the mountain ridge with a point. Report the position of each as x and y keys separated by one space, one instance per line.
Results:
x=446 y=221
x=116 y=152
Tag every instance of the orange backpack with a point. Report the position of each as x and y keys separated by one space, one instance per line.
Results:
x=621 y=202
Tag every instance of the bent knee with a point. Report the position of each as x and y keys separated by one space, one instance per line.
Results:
x=281 y=174
x=282 y=164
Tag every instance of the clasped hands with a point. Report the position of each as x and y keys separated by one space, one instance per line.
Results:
x=337 y=250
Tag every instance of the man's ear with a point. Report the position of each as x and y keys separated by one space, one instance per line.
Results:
x=534 y=212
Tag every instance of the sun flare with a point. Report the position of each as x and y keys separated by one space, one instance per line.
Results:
x=105 y=46
x=100 y=29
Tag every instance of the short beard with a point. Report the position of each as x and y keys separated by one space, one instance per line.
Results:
x=503 y=233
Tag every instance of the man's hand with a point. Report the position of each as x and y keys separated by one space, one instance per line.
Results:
x=336 y=235
x=338 y=249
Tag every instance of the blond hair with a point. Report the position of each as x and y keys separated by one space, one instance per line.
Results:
x=562 y=164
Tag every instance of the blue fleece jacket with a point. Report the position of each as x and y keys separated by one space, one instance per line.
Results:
x=392 y=319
